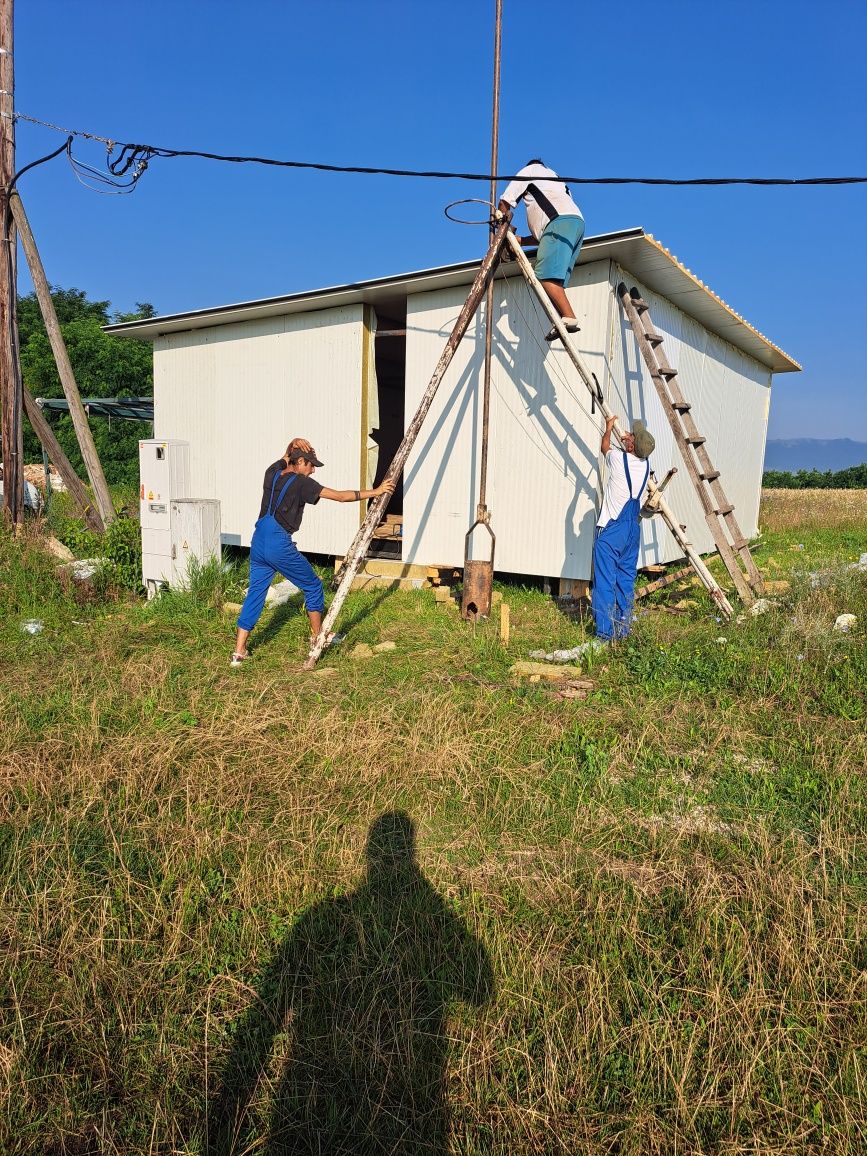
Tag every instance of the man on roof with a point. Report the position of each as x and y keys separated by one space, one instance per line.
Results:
x=557 y=224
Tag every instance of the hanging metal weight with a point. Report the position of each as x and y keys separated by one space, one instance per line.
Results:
x=478 y=574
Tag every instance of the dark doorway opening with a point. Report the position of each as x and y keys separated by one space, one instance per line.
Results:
x=390 y=352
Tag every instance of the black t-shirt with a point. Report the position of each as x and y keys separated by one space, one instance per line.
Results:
x=303 y=492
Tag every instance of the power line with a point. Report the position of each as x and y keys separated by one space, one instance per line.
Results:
x=133 y=159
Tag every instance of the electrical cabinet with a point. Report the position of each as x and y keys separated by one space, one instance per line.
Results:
x=195 y=533
x=174 y=526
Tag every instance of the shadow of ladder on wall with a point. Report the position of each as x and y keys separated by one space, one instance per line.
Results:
x=719 y=513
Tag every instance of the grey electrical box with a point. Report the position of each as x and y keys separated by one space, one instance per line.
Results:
x=195 y=534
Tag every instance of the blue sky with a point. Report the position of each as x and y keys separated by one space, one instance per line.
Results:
x=676 y=88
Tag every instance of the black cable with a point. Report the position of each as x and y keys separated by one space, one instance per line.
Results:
x=65 y=147
x=138 y=156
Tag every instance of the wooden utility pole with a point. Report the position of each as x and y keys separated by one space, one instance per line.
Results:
x=10 y=375
x=64 y=368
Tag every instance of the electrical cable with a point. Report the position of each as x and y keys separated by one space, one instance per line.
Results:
x=137 y=157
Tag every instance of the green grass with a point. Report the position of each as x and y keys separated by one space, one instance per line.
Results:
x=635 y=923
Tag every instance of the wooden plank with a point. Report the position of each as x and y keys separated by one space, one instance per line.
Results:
x=661 y=583
x=574 y=588
x=394 y=568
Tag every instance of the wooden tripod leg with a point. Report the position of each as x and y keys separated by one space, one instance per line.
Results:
x=357 y=551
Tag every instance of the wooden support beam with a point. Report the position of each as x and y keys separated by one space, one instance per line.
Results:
x=64 y=368
x=661 y=583
x=55 y=453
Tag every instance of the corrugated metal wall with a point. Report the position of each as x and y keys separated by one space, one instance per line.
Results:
x=543 y=445
x=238 y=393
x=729 y=392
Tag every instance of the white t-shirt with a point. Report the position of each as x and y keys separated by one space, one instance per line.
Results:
x=617 y=492
x=550 y=186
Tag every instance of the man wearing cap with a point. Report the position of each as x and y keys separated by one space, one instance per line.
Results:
x=618 y=534
x=288 y=487
x=557 y=224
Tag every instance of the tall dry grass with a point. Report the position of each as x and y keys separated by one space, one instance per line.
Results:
x=790 y=510
x=634 y=924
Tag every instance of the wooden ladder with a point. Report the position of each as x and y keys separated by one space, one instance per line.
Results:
x=655 y=502
x=719 y=513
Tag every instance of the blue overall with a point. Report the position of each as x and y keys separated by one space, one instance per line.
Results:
x=615 y=562
x=272 y=551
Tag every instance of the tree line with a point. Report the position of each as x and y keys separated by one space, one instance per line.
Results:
x=853 y=478
x=104 y=366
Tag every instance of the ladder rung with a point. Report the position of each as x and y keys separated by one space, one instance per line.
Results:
x=724 y=510
x=682 y=406
x=655 y=338
x=696 y=441
x=740 y=544
x=668 y=373
x=640 y=304
x=710 y=477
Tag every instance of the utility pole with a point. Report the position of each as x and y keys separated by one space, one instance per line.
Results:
x=10 y=375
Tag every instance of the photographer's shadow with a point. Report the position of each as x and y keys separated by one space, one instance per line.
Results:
x=358 y=996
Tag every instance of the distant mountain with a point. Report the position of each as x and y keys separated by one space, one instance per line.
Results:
x=795 y=454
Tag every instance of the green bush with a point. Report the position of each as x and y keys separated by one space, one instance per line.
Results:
x=120 y=546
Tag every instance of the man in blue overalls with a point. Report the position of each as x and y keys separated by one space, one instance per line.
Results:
x=618 y=534
x=287 y=488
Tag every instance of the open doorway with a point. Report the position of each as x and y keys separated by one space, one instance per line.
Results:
x=390 y=361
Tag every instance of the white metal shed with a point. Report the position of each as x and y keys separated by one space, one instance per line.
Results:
x=347 y=366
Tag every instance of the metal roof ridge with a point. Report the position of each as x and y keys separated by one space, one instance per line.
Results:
x=348 y=286
x=707 y=289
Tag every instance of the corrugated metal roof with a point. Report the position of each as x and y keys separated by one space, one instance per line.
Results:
x=633 y=249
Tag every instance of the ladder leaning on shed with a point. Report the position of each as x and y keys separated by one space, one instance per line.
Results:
x=719 y=513
x=655 y=502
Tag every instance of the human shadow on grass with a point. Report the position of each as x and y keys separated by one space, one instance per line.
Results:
x=356 y=998
x=286 y=611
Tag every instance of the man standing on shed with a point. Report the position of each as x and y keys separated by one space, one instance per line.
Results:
x=557 y=224
x=618 y=533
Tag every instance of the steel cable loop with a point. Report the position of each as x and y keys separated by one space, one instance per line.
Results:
x=470 y=201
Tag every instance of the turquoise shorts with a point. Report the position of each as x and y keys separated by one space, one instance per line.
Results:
x=559 y=247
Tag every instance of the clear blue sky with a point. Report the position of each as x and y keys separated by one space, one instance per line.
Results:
x=674 y=88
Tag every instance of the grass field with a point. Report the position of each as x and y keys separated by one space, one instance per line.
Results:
x=406 y=905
